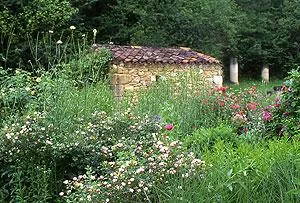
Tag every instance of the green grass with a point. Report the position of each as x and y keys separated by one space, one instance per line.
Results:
x=261 y=86
x=73 y=103
x=244 y=173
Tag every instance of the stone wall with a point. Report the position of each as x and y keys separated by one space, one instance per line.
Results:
x=130 y=77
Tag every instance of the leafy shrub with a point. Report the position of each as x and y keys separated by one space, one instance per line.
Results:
x=45 y=14
x=205 y=138
x=21 y=92
x=17 y=90
x=35 y=142
x=140 y=162
x=284 y=114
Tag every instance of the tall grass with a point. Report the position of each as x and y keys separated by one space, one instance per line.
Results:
x=183 y=100
x=266 y=172
x=74 y=104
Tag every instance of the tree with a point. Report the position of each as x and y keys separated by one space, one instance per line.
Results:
x=264 y=37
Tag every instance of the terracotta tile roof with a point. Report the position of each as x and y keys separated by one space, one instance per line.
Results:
x=150 y=55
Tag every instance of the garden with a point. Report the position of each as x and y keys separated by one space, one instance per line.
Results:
x=64 y=137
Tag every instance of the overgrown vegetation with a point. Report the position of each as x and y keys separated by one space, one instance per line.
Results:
x=60 y=142
x=257 y=32
x=65 y=138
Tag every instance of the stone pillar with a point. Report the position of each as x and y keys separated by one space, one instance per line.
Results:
x=234 y=70
x=265 y=73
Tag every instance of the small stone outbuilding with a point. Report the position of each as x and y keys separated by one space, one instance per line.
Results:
x=135 y=67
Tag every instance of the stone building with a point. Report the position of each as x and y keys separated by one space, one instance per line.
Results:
x=135 y=67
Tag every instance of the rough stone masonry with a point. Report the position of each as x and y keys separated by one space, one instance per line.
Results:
x=135 y=67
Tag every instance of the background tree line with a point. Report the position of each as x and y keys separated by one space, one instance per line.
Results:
x=256 y=31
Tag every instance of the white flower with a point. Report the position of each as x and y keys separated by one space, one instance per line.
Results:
x=140 y=170
x=174 y=143
x=120 y=145
x=48 y=142
x=8 y=136
x=59 y=42
x=95 y=32
x=72 y=27
x=61 y=193
x=50 y=31
x=83 y=35
x=131 y=190
x=66 y=182
x=38 y=79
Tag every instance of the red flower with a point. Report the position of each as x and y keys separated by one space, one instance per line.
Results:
x=284 y=88
x=276 y=105
x=235 y=106
x=169 y=126
x=222 y=89
x=252 y=106
x=222 y=103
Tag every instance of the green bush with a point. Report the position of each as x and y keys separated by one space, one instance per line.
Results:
x=205 y=138
x=141 y=158
x=286 y=111
x=16 y=92
x=34 y=151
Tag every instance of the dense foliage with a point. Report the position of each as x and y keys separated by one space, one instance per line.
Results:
x=257 y=32
x=65 y=138
x=64 y=143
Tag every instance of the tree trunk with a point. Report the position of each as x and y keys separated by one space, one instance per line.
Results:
x=234 y=70
x=265 y=73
